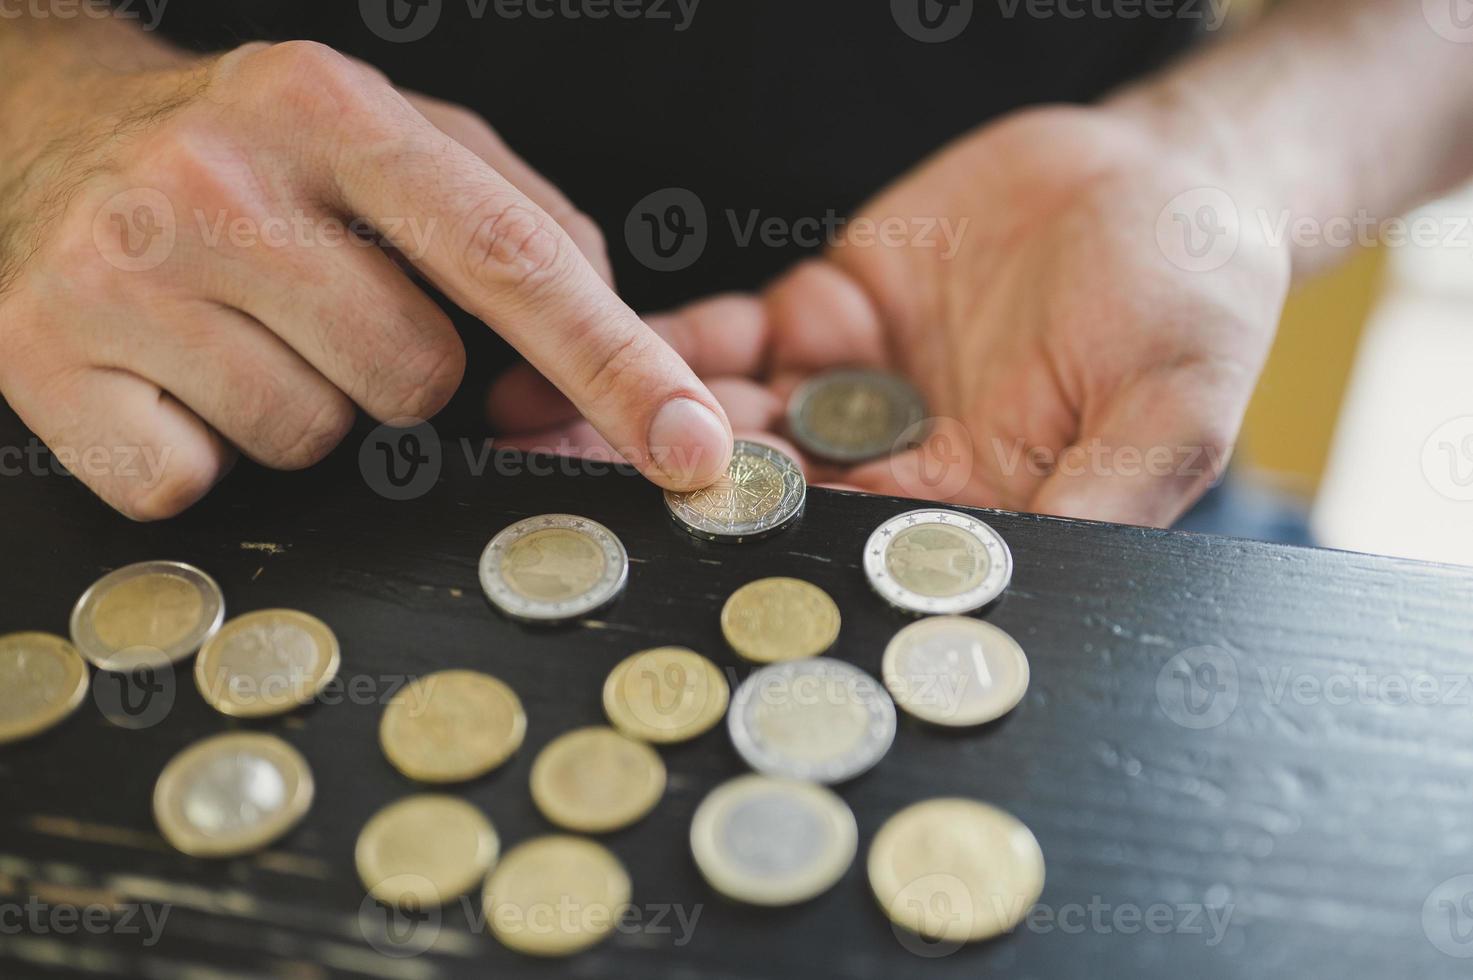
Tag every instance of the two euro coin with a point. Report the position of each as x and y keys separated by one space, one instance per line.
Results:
x=761 y=492
x=553 y=568
x=43 y=679
x=937 y=562
x=146 y=615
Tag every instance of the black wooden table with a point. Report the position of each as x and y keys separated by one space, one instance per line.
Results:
x=1241 y=760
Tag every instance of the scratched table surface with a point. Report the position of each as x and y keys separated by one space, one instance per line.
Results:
x=1241 y=760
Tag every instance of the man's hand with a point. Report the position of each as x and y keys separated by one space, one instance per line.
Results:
x=175 y=278
x=1070 y=365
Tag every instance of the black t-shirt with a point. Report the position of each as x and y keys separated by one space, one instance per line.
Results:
x=765 y=108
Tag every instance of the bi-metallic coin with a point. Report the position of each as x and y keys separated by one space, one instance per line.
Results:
x=819 y=720
x=423 y=851
x=231 y=794
x=555 y=895
x=955 y=671
x=937 y=562
x=955 y=870
x=761 y=492
x=772 y=841
x=664 y=695
x=146 y=615
x=553 y=568
x=853 y=415
x=43 y=679
x=452 y=726
x=266 y=663
x=775 y=619
x=594 y=780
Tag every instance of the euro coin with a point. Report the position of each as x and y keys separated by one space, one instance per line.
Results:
x=669 y=694
x=266 y=663
x=853 y=415
x=423 y=851
x=232 y=794
x=955 y=870
x=43 y=679
x=819 y=720
x=553 y=568
x=761 y=492
x=452 y=726
x=555 y=895
x=146 y=615
x=771 y=841
x=955 y=671
x=594 y=780
x=774 y=619
x=937 y=562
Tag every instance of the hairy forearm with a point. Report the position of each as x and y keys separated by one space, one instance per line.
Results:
x=60 y=72
x=1328 y=109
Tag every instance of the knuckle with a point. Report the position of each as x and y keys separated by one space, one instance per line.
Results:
x=314 y=432
x=424 y=380
x=309 y=77
x=511 y=244
x=186 y=479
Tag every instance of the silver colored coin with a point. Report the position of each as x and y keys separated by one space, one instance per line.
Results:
x=553 y=568
x=937 y=562
x=955 y=671
x=820 y=720
x=761 y=492
x=854 y=415
x=146 y=615
x=772 y=841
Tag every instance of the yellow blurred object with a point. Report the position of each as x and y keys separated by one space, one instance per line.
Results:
x=1286 y=435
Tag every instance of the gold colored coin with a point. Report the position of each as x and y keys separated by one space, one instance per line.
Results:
x=452 y=726
x=555 y=895
x=596 y=780
x=669 y=694
x=43 y=679
x=146 y=615
x=955 y=870
x=232 y=794
x=266 y=663
x=775 y=619
x=422 y=851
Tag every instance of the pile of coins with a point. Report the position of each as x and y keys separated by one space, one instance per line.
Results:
x=804 y=720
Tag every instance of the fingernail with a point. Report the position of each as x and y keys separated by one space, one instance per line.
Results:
x=689 y=444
